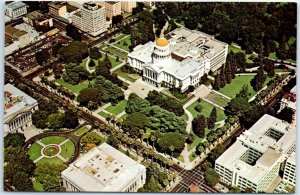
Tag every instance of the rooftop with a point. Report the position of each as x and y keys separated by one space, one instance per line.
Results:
x=35 y=15
x=57 y=4
x=104 y=168
x=15 y=101
x=14 y=32
x=15 y=5
x=273 y=147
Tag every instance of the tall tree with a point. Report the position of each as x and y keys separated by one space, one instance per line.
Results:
x=199 y=125
x=212 y=118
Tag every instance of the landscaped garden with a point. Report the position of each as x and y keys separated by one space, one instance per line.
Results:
x=74 y=88
x=115 y=52
x=217 y=99
x=128 y=76
x=117 y=109
x=51 y=149
x=124 y=43
x=82 y=130
x=235 y=49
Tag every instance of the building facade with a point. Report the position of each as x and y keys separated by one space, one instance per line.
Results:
x=18 y=109
x=255 y=159
x=180 y=59
x=37 y=19
x=15 y=9
x=90 y=19
x=57 y=9
x=289 y=175
x=104 y=169
x=12 y=34
x=289 y=100
x=127 y=6
x=112 y=8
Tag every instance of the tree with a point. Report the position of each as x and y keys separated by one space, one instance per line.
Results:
x=234 y=189
x=171 y=142
x=244 y=93
x=258 y=81
x=74 y=52
x=237 y=106
x=212 y=118
x=95 y=53
x=286 y=114
x=90 y=140
x=136 y=104
x=72 y=31
x=216 y=152
x=92 y=63
x=134 y=122
x=54 y=121
x=113 y=141
x=22 y=182
x=199 y=125
x=49 y=175
x=211 y=176
x=70 y=119
x=14 y=140
x=39 y=119
x=198 y=108
x=88 y=95
x=217 y=83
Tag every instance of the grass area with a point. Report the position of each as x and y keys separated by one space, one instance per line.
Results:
x=283 y=70
x=54 y=160
x=83 y=63
x=104 y=114
x=120 y=37
x=81 y=131
x=185 y=117
x=273 y=56
x=180 y=158
x=121 y=45
x=276 y=44
x=53 y=140
x=113 y=61
x=35 y=151
x=127 y=76
x=74 y=88
x=235 y=49
x=196 y=141
x=206 y=110
x=291 y=40
x=37 y=186
x=217 y=99
x=67 y=149
x=192 y=156
x=117 y=109
x=183 y=98
x=115 y=52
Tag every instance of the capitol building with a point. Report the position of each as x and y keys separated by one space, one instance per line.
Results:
x=180 y=58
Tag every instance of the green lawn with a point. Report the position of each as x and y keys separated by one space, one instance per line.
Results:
x=196 y=141
x=273 y=56
x=104 y=114
x=67 y=149
x=291 y=40
x=217 y=99
x=180 y=158
x=129 y=77
x=236 y=85
x=120 y=37
x=54 y=160
x=37 y=186
x=35 y=151
x=113 y=51
x=74 y=88
x=235 y=49
x=206 y=110
x=81 y=131
x=192 y=156
x=120 y=44
x=53 y=140
x=117 y=109
x=113 y=61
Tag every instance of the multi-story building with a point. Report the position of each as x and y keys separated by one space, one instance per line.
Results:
x=90 y=19
x=104 y=169
x=13 y=34
x=149 y=3
x=57 y=9
x=289 y=100
x=180 y=59
x=112 y=8
x=15 y=9
x=18 y=109
x=127 y=6
x=255 y=159
x=37 y=19
x=289 y=175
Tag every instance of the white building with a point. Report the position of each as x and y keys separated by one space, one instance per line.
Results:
x=112 y=8
x=289 y=100
x=255 y=159
x=104 y=169
x=127 y=6
x=18 y=109
x=289 y=175
x=90 y=19
x=15 y=9
x=181 y=58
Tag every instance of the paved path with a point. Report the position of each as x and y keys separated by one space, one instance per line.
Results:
x=125 y=80
x=87 y=65
x=117 y=67
x=120 y=39
x=65 y=141
x=121 y=114
x=117 y=48
x=221 y=94
x=39 y=158
x=61 y=158
x=39 y=142
x=216 y=105
x=189 y=121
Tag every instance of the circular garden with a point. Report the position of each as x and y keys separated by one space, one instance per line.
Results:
x=52 y=149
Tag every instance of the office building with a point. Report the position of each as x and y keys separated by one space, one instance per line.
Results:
x=127 y=6
x=104 y=169
x=15 y=9
x=57 y=9
x=112 y=8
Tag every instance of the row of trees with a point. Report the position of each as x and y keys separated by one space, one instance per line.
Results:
x=60 y=89
x=74 y=52
x=200 y=123
x=90 y=140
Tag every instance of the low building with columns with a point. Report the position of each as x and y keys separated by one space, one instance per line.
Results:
x=179 y=59
x=104 y=169
x=18 y=109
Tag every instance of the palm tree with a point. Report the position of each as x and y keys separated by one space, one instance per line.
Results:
x=142 y=132
x=153 y=139
x=147 y=136
x=171 y=148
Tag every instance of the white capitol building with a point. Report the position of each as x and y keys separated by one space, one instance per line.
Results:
x=180 y=59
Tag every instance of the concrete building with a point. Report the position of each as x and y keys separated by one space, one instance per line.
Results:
x=289 y=100
x=104 y=169
x=180 y=59
x=149 y=3
x=255 y=159
x=90 y=19
x=13 y=34
x=57 y=9
x=37 y=19
x=112 y=8
x=18 y=109
x=289 y=175
x=15 y=9
x=127 y=6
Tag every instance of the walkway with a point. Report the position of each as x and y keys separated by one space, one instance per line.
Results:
x=221 y=94
x=87 y=65
x=117 y=67
x=117 y=48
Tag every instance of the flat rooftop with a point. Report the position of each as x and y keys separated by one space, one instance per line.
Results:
x=15 y=101
x=103 y=169
x=15 y=5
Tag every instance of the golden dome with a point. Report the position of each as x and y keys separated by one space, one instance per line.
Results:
x=162 y=42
